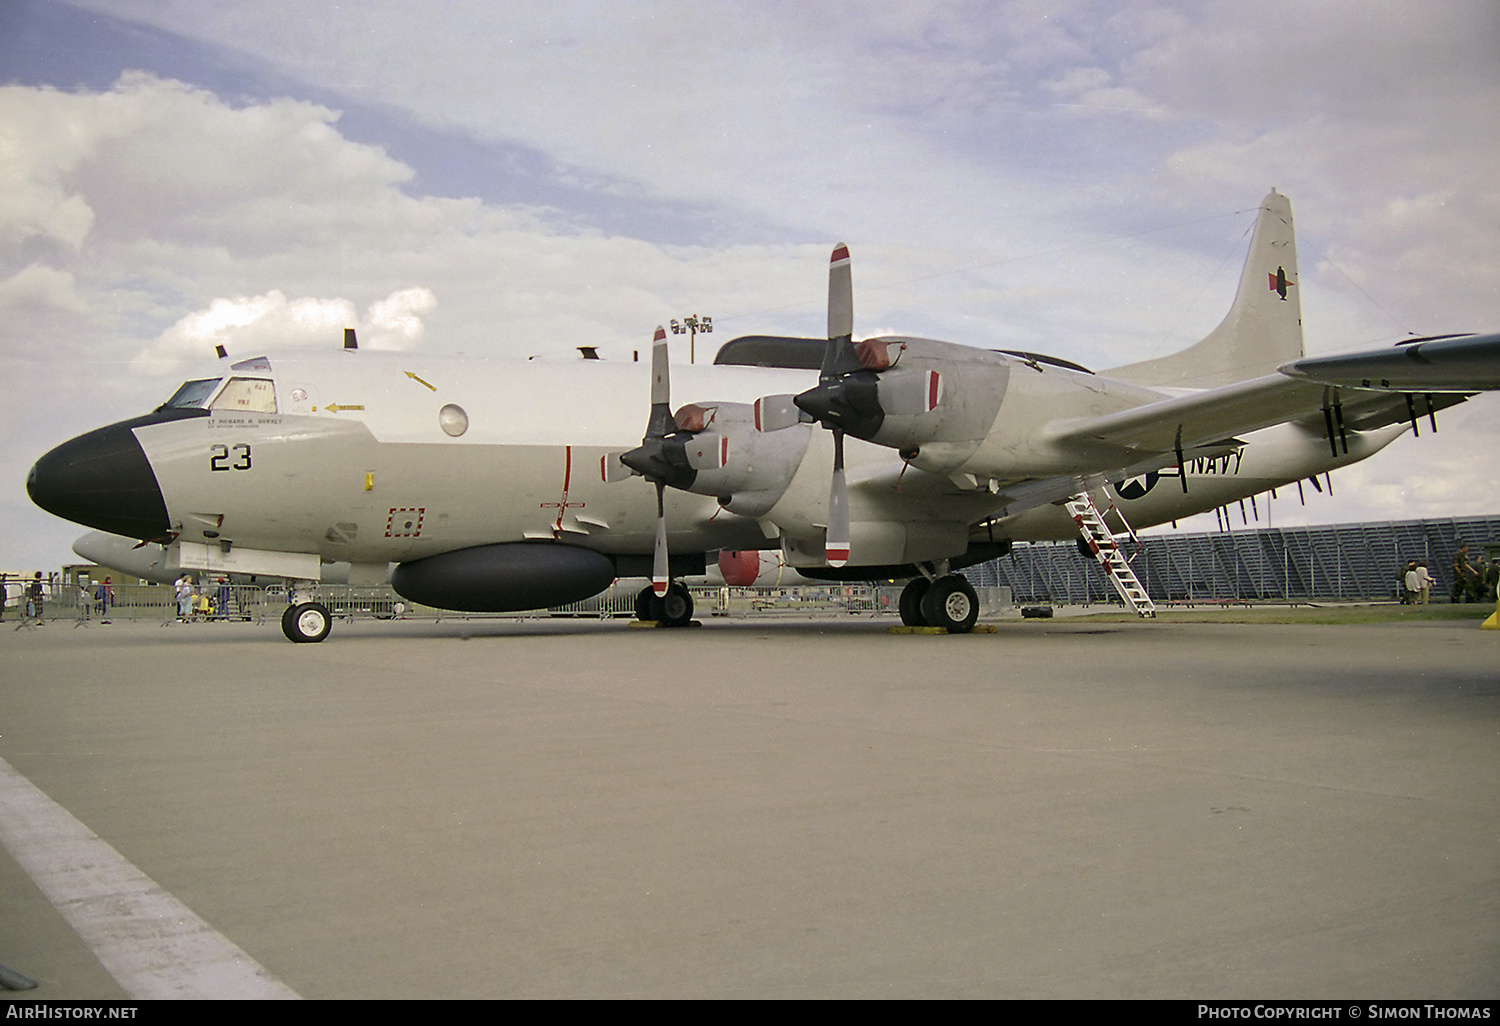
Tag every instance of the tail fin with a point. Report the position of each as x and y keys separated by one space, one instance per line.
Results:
x=1263 y=329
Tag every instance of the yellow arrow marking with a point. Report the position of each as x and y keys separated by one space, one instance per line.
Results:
x=420 y=381
x=335 y=407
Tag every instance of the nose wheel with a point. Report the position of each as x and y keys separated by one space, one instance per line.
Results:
x=306 y=622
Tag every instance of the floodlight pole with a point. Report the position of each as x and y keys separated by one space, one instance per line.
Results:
x=692 y=324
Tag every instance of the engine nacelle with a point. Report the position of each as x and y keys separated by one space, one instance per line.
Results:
x=505 y=578
x=757 y=466
x=908 y=392
x=938 y=392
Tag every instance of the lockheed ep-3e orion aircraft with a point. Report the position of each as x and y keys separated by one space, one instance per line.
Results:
x=513 y=485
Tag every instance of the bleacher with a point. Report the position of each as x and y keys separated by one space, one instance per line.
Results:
x=1335 y=562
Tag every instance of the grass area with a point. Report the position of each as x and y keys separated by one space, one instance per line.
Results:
x=1386 y=612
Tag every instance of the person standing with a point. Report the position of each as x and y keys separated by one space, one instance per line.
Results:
x=34 y=598
x=184 y=598
x=104 y=597
x=1489 y=580
x=1463 y=574
x=1412 y=585
x=1425 y=580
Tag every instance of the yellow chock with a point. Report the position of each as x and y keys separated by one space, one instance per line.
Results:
x=1492 y=623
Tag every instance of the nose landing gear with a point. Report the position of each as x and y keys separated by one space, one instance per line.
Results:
x=306 y=622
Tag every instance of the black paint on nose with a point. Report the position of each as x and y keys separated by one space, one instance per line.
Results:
x=103 y=480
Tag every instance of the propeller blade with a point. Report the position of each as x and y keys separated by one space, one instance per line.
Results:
x=612 y=470
x=910 y=393
x=840 y=294
x=707 y=450
x=836 y=549
x=839 y=357
x=776 y=412
x=661 y=424
x=661 y=577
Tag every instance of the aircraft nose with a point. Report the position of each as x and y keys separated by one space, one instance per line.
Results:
x=102 y=480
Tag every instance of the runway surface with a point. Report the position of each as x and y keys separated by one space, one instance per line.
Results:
x=781 y=807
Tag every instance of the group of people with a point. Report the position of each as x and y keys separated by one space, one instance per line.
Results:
x=1416 y=584
x=101 y=600
x=33 y=597
x=195 y=603
x=1474 y=581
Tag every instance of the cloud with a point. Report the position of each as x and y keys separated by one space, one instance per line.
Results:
x=246 y=325
x=39 y=287
x=37 y=150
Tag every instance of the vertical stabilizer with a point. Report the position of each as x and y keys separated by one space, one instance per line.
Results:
x=1263 y=329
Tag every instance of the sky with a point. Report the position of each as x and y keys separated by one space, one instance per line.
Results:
x=1075 y=177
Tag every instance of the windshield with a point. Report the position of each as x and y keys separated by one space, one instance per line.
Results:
x=253 y=395
x=193 y=394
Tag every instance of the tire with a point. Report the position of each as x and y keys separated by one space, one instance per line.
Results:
x=306 y=622
x=643 y=610
x=676 y=606
x=952 y=603
x=911 y=602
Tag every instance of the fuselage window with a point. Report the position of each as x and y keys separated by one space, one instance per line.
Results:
x=247 y=395
x=193 y=393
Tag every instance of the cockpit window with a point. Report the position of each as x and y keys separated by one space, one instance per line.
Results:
x=247 y=395
x=193 y=394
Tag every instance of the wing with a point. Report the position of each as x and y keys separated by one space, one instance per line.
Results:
x=1457 y=364
x=1360 y=391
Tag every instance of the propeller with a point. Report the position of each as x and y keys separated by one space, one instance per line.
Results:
x=671 y=452
x=858 y=388
x=840 y=401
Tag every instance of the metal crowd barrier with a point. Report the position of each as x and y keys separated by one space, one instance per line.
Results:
x=257 y=604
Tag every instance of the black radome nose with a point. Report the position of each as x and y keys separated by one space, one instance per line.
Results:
x=103 y=480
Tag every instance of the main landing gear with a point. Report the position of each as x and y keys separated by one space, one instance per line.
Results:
x=306 y=622
x=674 y=609
x=948 y=601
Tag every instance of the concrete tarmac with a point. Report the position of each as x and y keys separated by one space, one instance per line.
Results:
x=783 y=807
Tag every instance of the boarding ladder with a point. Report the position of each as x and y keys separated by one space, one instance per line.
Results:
x=1102 y=542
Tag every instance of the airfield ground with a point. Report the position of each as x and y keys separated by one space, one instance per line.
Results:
x=783 y=807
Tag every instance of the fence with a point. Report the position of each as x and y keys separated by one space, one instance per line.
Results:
x=249 y=603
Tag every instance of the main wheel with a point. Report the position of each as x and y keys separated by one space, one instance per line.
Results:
x=643 y=609
x=911 y=602
x=306 y=621
x=951 y=602
x=676 y=606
